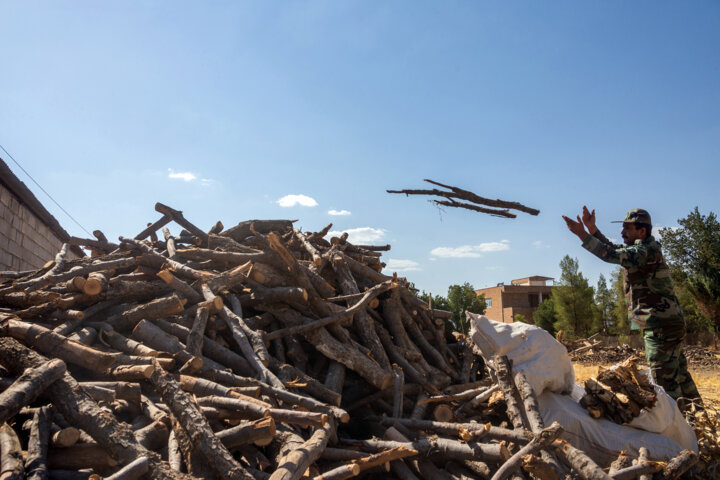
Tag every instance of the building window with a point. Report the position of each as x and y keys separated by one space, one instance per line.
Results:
x=533 y=299
x=488 y=302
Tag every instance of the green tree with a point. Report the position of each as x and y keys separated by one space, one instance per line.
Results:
x=437 y=301
x=519 y=317
x=573 y=298
x=545 y=316
x=620 y=310
x=605 y=302
x=693 y=253
x=461 y=299
x=694 y=318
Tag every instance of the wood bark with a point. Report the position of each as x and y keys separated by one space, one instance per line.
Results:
x=75 y=405
x=158 y=259
x=12 y=466
x=120 y=342
x=159 y=308
x=154 y=436
x=193 y=423
x=438 y=446
x=194 y=342
x=153 y=227
x=679 y=465
x=169 y=242
x=211 y=348
x=177 y=217
x=639 y=470
x=500 y=207
x=179 y=286
x=363 y=324
x=504 y=372
x=260 y=432
x=342 y=353
x=519 y=437
x=292 y=376
x=28 y=387
x=132 y=471
x=579 y=461
x=541 y=440
x=36 y=461
x=293 y=465
x=50 y=343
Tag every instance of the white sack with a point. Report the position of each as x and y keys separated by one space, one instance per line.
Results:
x=666 y=419
x=602 y=439
x=533 y=351
x=547 y=366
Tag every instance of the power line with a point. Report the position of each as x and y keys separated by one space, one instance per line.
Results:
x=44 y=191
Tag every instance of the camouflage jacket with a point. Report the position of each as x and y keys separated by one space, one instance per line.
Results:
x=649 y=290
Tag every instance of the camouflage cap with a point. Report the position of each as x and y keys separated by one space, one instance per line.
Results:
x=636 y=215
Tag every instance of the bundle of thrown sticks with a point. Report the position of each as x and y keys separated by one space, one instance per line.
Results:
x=253 y=352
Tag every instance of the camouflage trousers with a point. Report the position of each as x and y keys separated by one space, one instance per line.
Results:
x=663 y=349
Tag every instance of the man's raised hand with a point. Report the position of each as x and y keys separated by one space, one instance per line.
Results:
x=588 y=219
x=576 y=227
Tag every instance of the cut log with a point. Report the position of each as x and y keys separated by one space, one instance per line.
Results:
x=260 y=432
x=154 y=436
x=539 y=468
x=293 y=465
x=438 y=446
x=75 y=405
x=12 y=466
x=28 y=386
x=579 y=461
x=191 y=420
x=679 y=465
x=196 y=336
x=160 y=308
x=179 y=286
x=132 y=471
x=542 y=440
x=36 y=461
x=120 y=342
x=177 y=217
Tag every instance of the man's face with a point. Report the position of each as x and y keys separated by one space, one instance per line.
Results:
x=630 y=233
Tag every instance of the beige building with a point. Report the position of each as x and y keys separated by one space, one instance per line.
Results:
x=29 y=234
x=522 y=297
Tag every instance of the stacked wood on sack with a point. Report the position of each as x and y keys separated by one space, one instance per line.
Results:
x=254 y=352
x=619 y=393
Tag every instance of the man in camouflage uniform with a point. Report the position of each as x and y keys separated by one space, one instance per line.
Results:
x=652 y=304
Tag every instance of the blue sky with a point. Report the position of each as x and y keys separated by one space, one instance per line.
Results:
x=222 y=109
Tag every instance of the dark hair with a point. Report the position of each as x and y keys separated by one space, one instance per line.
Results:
x=646 y=226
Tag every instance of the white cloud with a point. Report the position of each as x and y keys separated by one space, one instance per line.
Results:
x=361 y=234
x=540 y=244
x=656 y=231
x=339 y=212
x=470 y=251
x=397 y=265
x=292 y=200
x=187 y=176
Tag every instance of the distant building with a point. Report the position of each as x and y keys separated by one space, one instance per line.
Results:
x=522 y=296
x=29 y=234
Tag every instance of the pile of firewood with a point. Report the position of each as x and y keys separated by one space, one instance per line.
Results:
x=256 y=352
x=619 y=392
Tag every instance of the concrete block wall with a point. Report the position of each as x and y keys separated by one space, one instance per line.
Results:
x=25 y=242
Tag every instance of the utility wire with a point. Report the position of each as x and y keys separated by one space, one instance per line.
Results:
x=44 y=191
